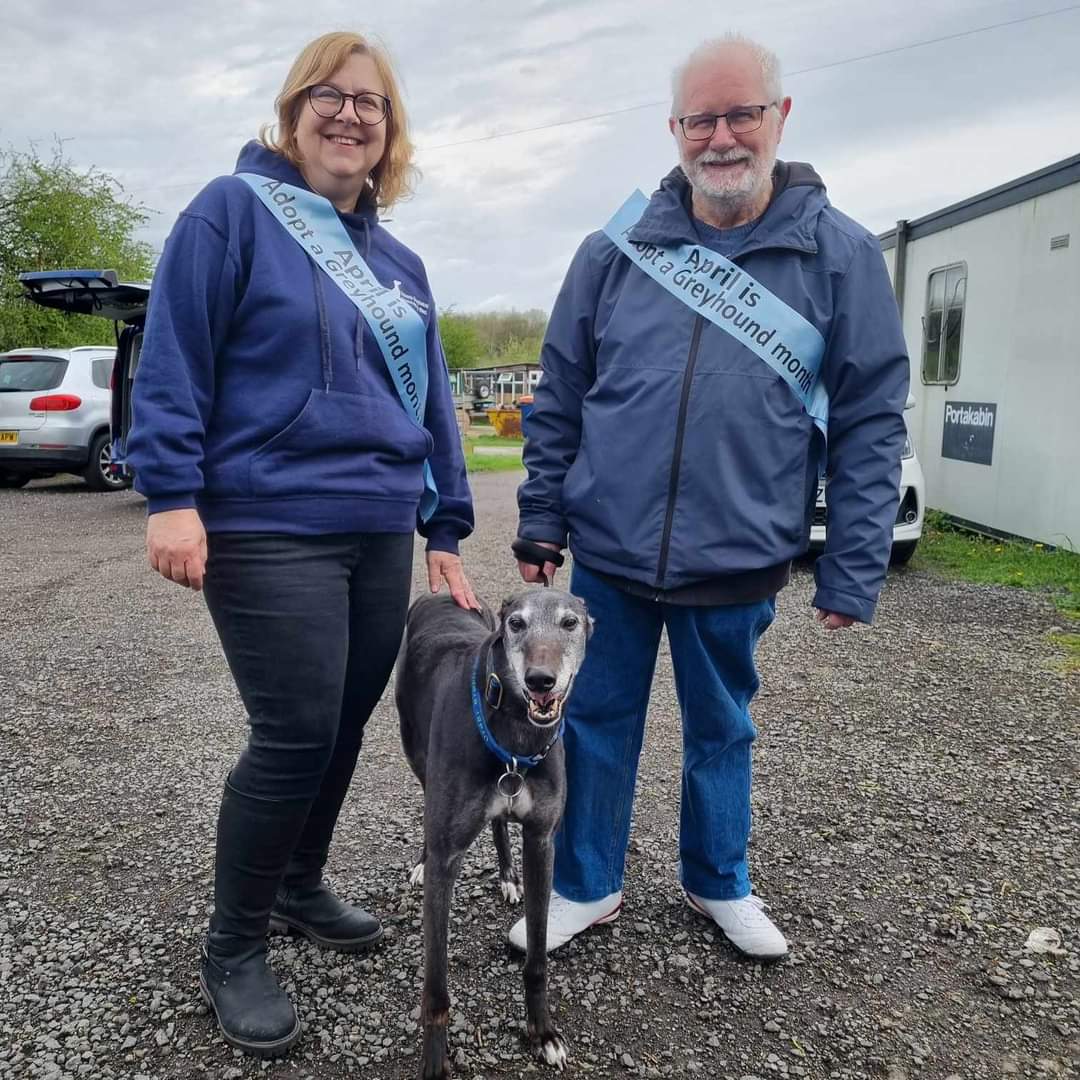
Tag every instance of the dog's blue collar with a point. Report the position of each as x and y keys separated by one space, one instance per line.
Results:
x=513 y=763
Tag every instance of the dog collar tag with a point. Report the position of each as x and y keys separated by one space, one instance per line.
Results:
x=493 y=692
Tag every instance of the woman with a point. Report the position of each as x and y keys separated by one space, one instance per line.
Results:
x=288 y=449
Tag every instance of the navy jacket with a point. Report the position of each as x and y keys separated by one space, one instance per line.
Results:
x=670 y=454
x=262 y=397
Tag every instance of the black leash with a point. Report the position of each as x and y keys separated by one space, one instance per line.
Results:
x=528 y=551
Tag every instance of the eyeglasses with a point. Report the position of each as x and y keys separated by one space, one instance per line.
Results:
x=697 y=127
x=328 y=101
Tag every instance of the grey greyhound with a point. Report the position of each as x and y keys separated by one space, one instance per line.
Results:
x=481 y=705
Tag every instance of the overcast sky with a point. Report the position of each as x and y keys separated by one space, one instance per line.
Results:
x=163 y=94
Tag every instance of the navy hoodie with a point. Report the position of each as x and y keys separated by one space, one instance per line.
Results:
x=262 y=398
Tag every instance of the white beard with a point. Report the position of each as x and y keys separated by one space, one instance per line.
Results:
x=735 y=191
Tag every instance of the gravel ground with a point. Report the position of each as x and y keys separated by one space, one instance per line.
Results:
x=916 y=813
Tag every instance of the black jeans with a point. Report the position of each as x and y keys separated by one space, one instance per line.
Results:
x=310 y=626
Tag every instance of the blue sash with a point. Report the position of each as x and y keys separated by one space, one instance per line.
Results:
x=313 y=223
x=715 y=287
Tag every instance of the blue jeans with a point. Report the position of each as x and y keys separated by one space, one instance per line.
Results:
x=712 y=650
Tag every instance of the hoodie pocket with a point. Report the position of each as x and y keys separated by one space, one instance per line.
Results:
x=344 y=444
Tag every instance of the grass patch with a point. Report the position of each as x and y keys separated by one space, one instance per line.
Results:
x=1069 y=644
x=1019 y=564
x=471 y=440
x=483 y=463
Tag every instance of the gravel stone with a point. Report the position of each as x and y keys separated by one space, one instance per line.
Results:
x=915 y=821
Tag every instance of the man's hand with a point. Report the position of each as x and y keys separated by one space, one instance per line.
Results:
x=833 y=620
x=176 y=546
x=442 y=566
x=532 y=574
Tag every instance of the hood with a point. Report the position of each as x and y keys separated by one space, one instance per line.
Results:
x=256 y=158
x=789 y=221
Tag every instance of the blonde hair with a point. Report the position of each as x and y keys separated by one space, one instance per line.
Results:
x=395 y=175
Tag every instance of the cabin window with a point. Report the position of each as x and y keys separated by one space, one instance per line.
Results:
x=943 y=324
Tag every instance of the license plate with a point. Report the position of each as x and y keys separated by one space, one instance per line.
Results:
x=9 y=437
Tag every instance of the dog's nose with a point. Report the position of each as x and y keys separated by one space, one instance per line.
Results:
x=539 y=680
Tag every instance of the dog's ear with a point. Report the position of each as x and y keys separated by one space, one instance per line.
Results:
x=590 y=622
x=506 y=605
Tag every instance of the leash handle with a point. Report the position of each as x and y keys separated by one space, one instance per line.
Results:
x=528 y=551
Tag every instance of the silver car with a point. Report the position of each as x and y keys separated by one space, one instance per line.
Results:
x=54 y=416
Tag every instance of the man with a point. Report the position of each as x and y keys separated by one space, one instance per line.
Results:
x=709 y=354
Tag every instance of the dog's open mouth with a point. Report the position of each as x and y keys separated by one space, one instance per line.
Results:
x=545 y=709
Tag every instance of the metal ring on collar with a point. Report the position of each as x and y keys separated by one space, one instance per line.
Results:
x=517 y=785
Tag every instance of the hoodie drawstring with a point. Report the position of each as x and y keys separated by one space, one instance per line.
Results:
x=324 y=328
x=360 y=324
x=324 y=322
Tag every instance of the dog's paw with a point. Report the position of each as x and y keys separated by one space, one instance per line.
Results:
x=512 y=891
x=553 y=1049
x=416 y=874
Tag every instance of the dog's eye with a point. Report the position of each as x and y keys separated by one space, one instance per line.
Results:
x=570 y=622
x=516 y=622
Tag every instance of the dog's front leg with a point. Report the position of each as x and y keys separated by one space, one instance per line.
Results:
x=440 y=872
x=509 y=882
x=538 y=856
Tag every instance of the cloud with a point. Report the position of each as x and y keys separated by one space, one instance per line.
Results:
x=164 y=102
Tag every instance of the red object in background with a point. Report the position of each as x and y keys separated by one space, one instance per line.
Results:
x=55 y=403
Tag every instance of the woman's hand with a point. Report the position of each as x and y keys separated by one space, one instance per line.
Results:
x=442 y=566
x=176 y=546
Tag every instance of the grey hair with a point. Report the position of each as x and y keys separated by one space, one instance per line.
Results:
x=711 y=50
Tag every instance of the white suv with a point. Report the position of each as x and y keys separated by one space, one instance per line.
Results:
x=909 y=514
x=54 y=416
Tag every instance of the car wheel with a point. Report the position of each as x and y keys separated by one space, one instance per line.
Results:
x=13 y=480
x=98 y=473
x=902 y=552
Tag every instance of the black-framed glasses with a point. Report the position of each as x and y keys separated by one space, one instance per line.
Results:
x=328 y=101
x=697 y=127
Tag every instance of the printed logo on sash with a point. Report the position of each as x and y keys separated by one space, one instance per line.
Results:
x=716 y=288
x=400 y=332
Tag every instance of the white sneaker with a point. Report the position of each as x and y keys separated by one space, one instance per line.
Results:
x=566 y=919
x=745 y=925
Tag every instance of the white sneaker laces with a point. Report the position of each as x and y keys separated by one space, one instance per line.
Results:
x=751 y=911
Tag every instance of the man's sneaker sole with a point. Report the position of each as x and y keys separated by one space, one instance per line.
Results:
x=771 y=958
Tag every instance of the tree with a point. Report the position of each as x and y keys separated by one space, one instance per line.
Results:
x=54 y=215
x=490 y=338
x=460 y=341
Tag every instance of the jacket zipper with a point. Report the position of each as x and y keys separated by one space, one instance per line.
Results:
x=676 y=460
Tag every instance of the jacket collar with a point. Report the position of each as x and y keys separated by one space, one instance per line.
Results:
x=789 y=221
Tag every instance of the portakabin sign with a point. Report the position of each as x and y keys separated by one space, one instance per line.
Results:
x=968 y=431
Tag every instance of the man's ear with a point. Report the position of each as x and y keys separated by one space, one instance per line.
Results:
x=785 y=108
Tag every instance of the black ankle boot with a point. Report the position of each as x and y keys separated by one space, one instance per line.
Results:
x=304 y=905
x=315 y=912
x=253 y=1012
x=254 y=840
